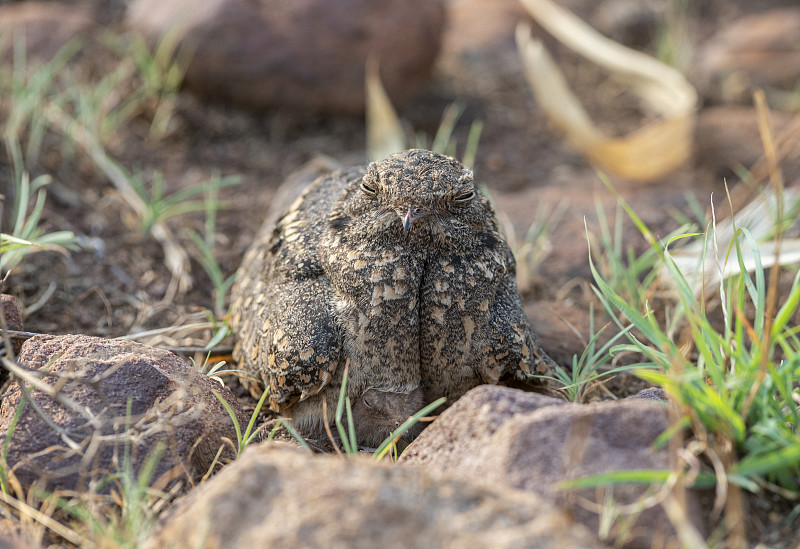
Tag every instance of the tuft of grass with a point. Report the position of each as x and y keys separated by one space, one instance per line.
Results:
x=123 y=518
x=347 y=434
x=588 y=368
x=26 y=91
x=633 y=276
x=348 y=439
x=160 y=71
x=536 y=244
x=205 y=247
x=444 y=142
x=127 y=517
x=736 y=384
x=243 y=439
x=159 y=207
x=26 y=236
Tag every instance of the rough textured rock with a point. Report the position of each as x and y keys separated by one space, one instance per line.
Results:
x=303 y=54
x=277 y=496
x=12 y=318
x=169 y=402
x=11 y=543
x=11 y=537
x=506 y=437
x=47 y=27
x=759 y=50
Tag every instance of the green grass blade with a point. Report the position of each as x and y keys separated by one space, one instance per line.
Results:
x=292 y=431
x=633 y=476
x=249 y=435
x=788 y=456
x=388 y=442
x=343 y=436
x=351 y=427
x=235 y=420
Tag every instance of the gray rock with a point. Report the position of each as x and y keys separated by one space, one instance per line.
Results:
x=307 y=54
x=279 y=496
x=505 y=437
x=170 y=403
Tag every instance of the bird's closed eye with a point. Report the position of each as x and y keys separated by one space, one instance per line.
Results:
x=465 y=197
x=369 y=403
x=368 y=189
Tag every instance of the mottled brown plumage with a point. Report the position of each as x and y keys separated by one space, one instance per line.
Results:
x=398 y=267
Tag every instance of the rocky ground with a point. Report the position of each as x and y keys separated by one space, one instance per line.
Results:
x=231 y=119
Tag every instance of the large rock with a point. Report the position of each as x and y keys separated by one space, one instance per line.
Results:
x=759 y=50
x=280 y=496
x=307 y=54
x=12 y=320
x=45 y=26
x=508 y=438
x=727 y=139
x=133 y=398
x=11 y=536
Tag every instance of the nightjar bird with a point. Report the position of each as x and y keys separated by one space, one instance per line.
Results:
x=398 y=268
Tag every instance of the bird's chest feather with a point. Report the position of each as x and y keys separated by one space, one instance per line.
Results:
x=456 y=297
x=406 y=307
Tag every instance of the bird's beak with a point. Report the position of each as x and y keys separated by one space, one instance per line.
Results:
x=408 y=219
x=408 y=215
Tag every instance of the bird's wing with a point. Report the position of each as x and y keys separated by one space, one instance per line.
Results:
x=298 y=347
x=513 y=348
x=282 y=304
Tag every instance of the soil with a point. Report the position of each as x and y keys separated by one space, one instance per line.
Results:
x=117 y=283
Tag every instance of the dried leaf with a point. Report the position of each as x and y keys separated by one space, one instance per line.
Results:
x=644 y=154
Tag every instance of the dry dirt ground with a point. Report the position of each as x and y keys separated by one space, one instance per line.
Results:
x=117 y=282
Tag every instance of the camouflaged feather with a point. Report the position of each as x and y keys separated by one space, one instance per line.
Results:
x=398 y=267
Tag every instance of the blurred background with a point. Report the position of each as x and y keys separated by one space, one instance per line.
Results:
x=144 y=140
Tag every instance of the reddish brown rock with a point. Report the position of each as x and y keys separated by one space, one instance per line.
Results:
x=12 y=316
x=727 y=140
x=45 y=26
x=280 y=496
x=505 y=437
x=759 y=50
x=307 y=54
x=11 y=536
x=134 y=398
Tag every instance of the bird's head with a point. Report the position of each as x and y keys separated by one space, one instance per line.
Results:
x=419 y=186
